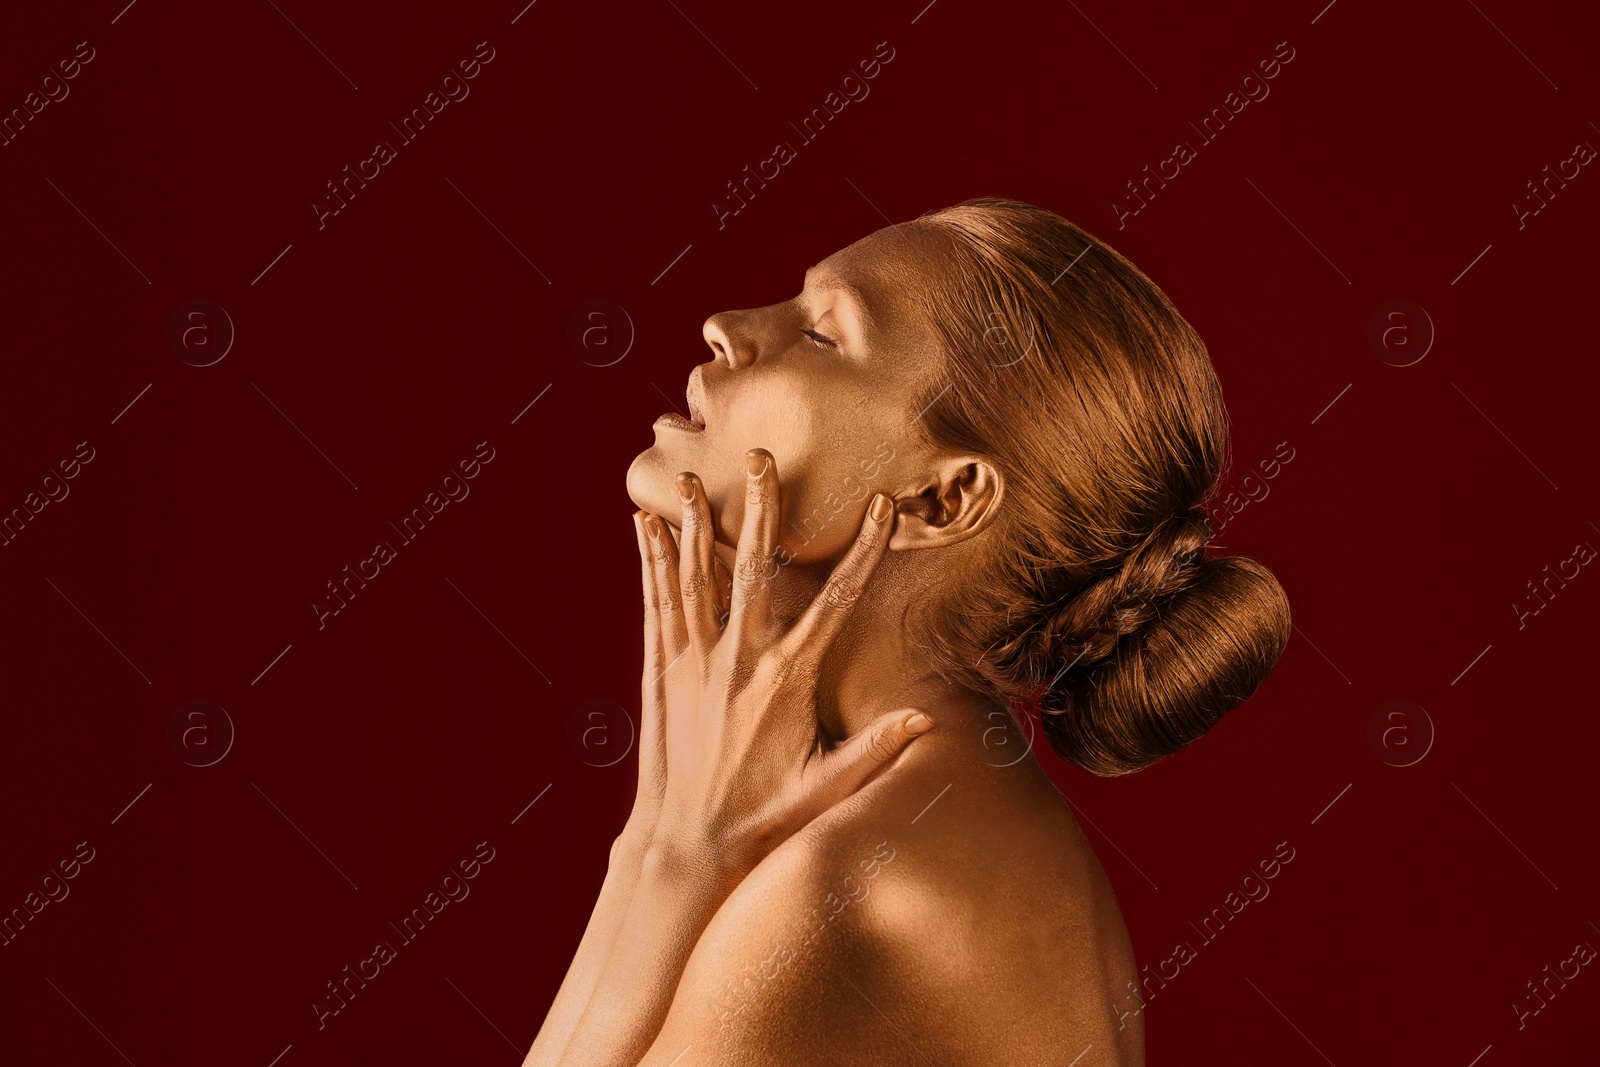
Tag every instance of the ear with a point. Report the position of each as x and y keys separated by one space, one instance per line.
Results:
x=959 y=497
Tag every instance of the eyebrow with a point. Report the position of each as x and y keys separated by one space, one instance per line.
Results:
x=853 y=293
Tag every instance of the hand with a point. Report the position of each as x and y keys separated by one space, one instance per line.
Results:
x=732 y=757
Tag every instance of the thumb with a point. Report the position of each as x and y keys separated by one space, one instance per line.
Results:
x=848 y=767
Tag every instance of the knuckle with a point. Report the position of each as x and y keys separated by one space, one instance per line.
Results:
x=776 y=667
x=841 y=592
x=694 y=585
x=755 y=569
x=879 y=747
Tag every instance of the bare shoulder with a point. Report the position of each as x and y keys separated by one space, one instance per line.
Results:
x=950 y=912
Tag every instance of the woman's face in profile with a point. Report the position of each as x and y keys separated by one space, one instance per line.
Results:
x=828 y=382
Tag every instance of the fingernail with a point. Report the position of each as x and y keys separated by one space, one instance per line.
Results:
x=756 y=462
x=917 y=724
x=880 y=508
x=685 y=488
x=652 y=526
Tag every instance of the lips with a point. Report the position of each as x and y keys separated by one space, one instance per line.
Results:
x=694 y=394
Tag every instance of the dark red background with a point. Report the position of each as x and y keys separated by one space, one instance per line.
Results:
x=424 y=717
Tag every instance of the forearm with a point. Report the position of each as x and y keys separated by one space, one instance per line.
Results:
x=672 y=903
x=605 y=922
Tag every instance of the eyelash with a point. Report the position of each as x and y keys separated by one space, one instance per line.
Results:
x=821 y=340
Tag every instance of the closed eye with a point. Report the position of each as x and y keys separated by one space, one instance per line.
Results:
x=820 y=340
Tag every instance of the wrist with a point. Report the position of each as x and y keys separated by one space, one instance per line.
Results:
x=692 y=872
x=630 y=846
x=697 y=853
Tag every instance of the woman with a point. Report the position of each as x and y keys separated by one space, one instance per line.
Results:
x=836 y=854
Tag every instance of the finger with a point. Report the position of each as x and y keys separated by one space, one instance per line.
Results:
x=724 y=586
x=754 y=567
x=850 y=766
x=669 y=603
x=694 y=565
x=652 y=691
x=812 y=633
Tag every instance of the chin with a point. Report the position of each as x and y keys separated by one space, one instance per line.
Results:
x=646 y=483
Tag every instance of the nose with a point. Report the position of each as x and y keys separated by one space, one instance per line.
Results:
x=729 y=342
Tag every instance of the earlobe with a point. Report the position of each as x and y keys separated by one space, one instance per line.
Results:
x=958 y=500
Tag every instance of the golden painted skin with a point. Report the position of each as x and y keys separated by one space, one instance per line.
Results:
x=813 y=873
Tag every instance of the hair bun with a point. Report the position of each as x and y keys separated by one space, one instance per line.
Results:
x=1204 y=651
x=1089 y=626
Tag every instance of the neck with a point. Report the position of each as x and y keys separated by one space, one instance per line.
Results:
x=875 y=665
